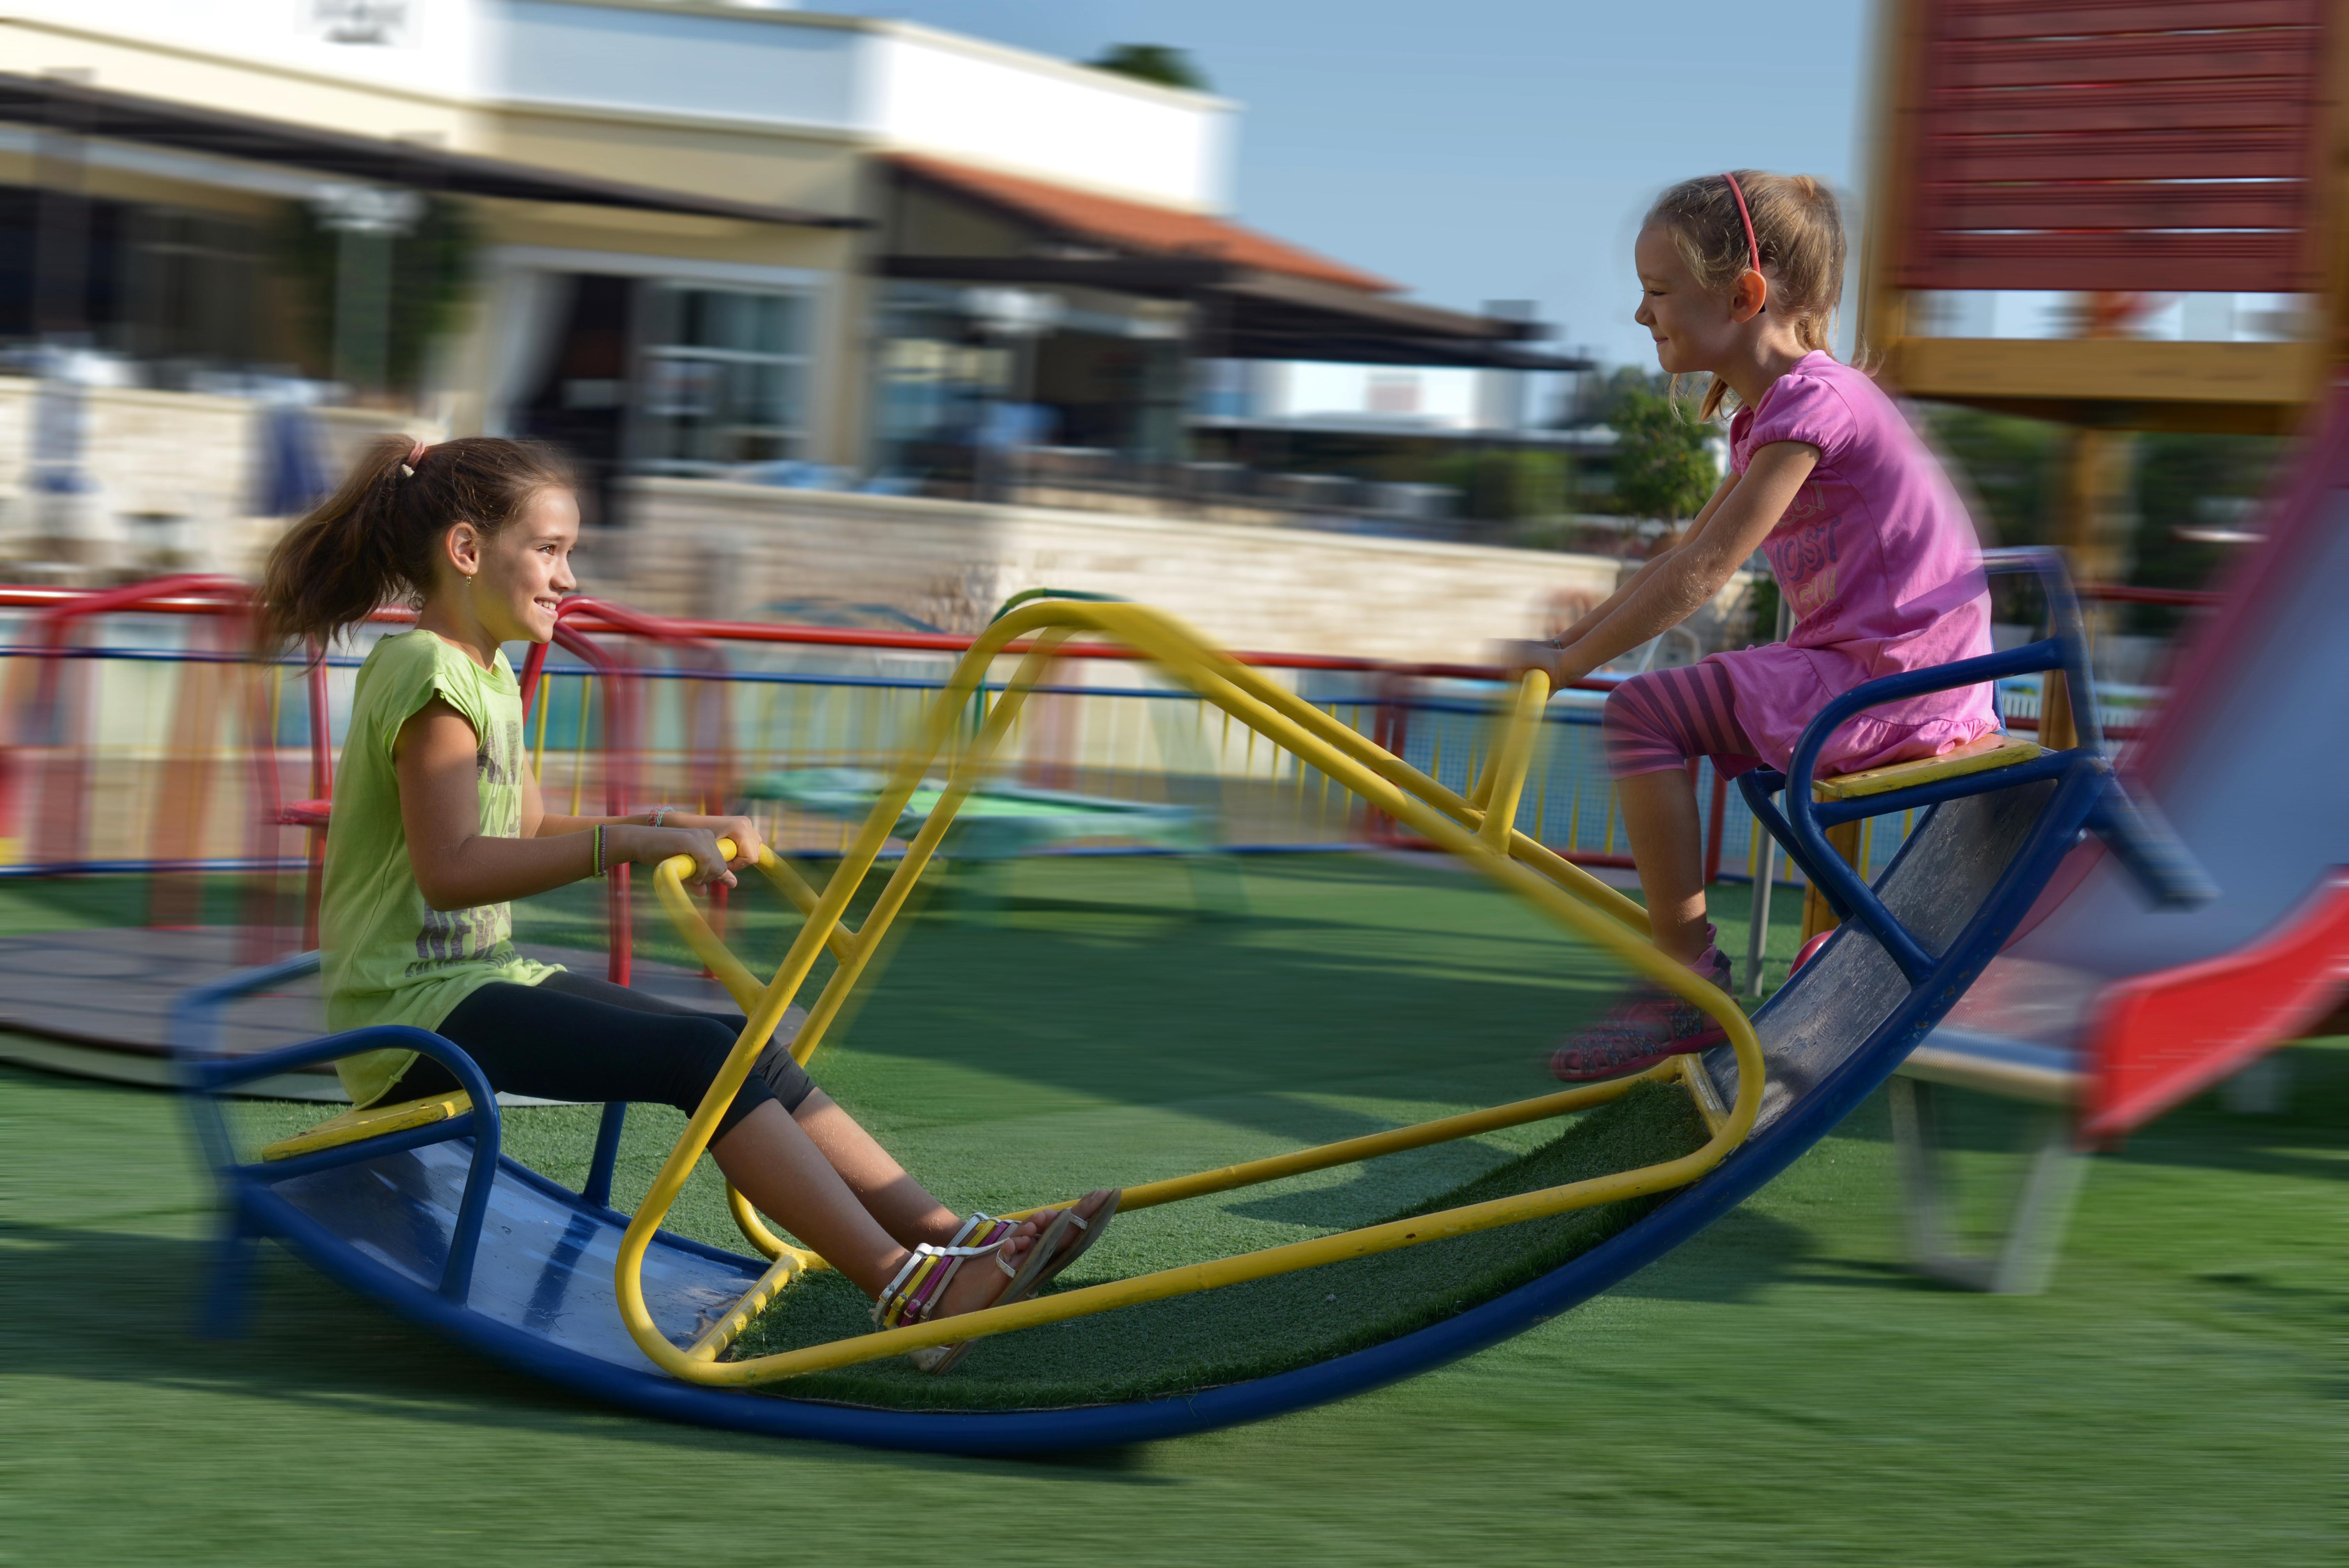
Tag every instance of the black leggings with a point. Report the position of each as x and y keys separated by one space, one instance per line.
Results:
x=571 y=1037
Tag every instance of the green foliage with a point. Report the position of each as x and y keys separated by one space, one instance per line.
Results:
x=1508 y=486
x=1159 y=63
x=2013 y=469
x=2192 y=481
x=1762 y=605
x=1664 y=467
x=1597 y=397
x=432 y=274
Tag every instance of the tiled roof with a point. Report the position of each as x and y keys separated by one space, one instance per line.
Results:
x=1136 y=226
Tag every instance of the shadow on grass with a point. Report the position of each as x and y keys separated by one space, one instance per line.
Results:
x=309 y=1345
x=1749 y=1254
x=2201 y=1134
x=1245 y=1331
x=1346 y=979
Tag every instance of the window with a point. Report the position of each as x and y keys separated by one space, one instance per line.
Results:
x=725 y=377
x=194 y=278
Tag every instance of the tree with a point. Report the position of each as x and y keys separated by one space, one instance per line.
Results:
x=1506 y=485
x=1168 y=66
x=431 y=278
x=1596 y=397
x=1664 y=465
x=2187 y=484
x=2013 y=469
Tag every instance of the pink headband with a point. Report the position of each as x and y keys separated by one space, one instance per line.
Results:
x=1752 y=245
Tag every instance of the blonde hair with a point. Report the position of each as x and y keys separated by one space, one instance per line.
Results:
x=1798 y=226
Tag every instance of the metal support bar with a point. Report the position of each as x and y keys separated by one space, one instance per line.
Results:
x=1757 y=934
x=598 y=1189
x=2034 y=1238
x=1592 y=911
x=195 y=1026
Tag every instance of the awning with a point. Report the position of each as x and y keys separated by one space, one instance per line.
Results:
x=1134 y=228
x=69 y=107
x=1254 y=296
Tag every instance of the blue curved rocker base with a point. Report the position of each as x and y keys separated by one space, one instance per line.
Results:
x=437 y=1226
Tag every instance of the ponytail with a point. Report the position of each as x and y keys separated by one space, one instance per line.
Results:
x=374 y=538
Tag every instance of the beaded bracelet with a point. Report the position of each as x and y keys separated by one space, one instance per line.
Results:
x=600 y=867
x=659 y=813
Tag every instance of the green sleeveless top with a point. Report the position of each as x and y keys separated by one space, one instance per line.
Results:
x=389 y=957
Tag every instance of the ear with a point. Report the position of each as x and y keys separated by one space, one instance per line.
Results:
x=1749 y=296
x=463 y=544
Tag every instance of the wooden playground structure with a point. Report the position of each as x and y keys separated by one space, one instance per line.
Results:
x=2141 y=158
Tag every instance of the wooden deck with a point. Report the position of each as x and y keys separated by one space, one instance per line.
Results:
x=97 y=1003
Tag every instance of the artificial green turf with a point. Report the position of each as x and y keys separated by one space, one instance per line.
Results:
x=29 y=904
x=1356 y=995
x=1252 y=1330
x=1778 y=1391
x=1362 y=993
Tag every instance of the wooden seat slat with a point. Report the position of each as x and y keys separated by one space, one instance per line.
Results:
x=1975 y=756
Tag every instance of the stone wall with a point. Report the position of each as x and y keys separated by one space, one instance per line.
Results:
x=176 y=480
x=735 y=552
x=176 y=476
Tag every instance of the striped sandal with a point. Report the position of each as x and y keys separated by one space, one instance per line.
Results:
x=1062 y=1244
x=1088 y=1232
x=922 y=1284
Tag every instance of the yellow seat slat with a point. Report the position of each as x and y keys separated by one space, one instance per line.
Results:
x=1974 y=756
x=375 y=1121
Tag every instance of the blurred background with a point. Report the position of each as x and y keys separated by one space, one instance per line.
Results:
x=861 y=261
x=1309 y=324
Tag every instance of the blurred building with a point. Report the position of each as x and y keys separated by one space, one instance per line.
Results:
x=680 y=240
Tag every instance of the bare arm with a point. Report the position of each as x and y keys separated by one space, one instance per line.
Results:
x=1596 y=617
x=537 y=822
x=458 y=866
x=1684 y=579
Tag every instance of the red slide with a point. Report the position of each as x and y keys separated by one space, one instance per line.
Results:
x=2120 y=1010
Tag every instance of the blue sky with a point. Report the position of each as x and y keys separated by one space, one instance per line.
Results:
x=1480 y=149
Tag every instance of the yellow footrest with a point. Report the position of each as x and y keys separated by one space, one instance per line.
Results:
x=1974 y=756
x=375 y=1121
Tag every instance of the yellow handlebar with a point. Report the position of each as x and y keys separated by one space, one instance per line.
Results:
x=669 y=884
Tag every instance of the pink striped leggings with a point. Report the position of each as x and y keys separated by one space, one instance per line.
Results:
x=1667 y=717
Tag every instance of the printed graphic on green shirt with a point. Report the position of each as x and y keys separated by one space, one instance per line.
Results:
x=391 y=957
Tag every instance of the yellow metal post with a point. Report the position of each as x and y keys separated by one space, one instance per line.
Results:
x=1571 y=897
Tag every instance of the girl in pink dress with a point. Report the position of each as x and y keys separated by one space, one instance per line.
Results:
x=1739 y=277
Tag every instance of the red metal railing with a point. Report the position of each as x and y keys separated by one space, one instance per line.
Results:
x=44 y=750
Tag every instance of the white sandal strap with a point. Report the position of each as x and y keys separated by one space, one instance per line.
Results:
x=956 y=1254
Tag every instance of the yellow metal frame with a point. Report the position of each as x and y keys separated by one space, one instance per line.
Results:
x=1465 y=826
x=374 y=1121
x=1974 y=756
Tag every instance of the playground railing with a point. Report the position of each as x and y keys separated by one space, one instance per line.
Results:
x=138 y=734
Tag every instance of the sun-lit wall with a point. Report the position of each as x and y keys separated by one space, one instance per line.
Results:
x=450 y=69
x=962 y=98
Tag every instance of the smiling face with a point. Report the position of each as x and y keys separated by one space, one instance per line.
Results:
x=1695 y=330
x=522 y=571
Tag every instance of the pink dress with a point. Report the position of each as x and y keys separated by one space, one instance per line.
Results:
x=1879 y=564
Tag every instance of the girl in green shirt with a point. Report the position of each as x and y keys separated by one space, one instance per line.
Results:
x=438 y=825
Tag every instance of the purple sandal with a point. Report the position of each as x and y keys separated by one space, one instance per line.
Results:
x=1645 y=1027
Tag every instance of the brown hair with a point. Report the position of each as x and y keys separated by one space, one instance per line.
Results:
x=1798 y=226
x=374 y=538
